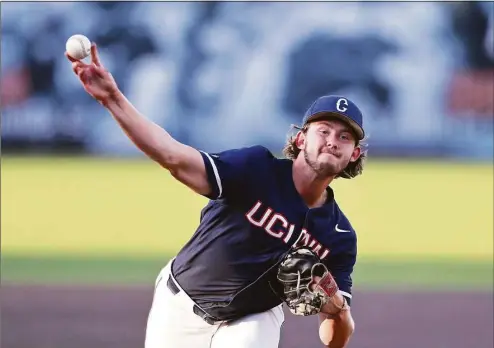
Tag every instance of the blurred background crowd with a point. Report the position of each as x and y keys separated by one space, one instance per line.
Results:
x=226 y=74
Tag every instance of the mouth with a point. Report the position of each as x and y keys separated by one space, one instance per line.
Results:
x=331 y=153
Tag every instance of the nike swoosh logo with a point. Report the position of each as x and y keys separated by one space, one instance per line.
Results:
x=340 y=230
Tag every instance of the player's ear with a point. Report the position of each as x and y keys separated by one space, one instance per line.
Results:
x=355 y=154
x=300 y=140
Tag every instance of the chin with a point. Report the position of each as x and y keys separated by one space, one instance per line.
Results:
x=327 y=169
x=325 y=166
x=329 y=161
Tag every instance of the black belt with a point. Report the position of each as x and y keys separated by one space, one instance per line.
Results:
x=196 y=309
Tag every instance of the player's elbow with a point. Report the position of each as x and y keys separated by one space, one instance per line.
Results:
x=325 y=340
x=337 y=342
x=336 y=333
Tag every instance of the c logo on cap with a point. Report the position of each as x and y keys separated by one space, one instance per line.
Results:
x=341 y=108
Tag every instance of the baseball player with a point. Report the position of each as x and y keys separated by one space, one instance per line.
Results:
x=270 y=234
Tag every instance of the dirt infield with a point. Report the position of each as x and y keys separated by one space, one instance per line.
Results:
x=77 y=317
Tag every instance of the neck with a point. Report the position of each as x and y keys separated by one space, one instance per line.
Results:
x=311 y=188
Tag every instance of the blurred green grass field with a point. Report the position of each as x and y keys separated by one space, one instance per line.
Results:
x=114 y=219
x=397 y=274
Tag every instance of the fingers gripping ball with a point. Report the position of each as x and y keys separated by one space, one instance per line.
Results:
x=78 y=46
x=307 y=283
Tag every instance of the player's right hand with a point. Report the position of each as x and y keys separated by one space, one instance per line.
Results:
x=95 y=79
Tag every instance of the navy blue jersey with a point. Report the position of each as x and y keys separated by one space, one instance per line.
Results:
x=254 y=216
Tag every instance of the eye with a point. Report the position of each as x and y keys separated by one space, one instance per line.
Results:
x=324 y=131
x=345 y=136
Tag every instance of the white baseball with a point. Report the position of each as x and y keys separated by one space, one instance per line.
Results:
x=78 y=46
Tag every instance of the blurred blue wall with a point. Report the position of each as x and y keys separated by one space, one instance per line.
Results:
x=220 y=75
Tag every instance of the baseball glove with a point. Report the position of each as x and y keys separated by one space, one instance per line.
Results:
x=307 y=283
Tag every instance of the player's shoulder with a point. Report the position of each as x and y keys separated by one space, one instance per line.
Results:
x=249 y=159
x=259 y=151
x=247 y=152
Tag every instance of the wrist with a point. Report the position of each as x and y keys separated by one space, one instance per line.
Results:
x=114 y=99
x=335 y=306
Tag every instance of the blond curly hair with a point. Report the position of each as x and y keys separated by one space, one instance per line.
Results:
x=291 y=151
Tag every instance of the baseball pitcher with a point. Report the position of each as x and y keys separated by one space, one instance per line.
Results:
x=270 y=234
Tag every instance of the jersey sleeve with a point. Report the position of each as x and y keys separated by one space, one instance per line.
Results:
x=231 y=173
x=341 y=267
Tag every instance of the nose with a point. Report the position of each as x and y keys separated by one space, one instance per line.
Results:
x=331 y=141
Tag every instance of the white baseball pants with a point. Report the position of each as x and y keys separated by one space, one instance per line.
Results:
x=173 y=324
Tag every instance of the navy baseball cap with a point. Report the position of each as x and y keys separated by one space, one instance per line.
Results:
x=335 y=106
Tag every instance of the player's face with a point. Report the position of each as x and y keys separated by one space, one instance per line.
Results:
x=329 y=146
